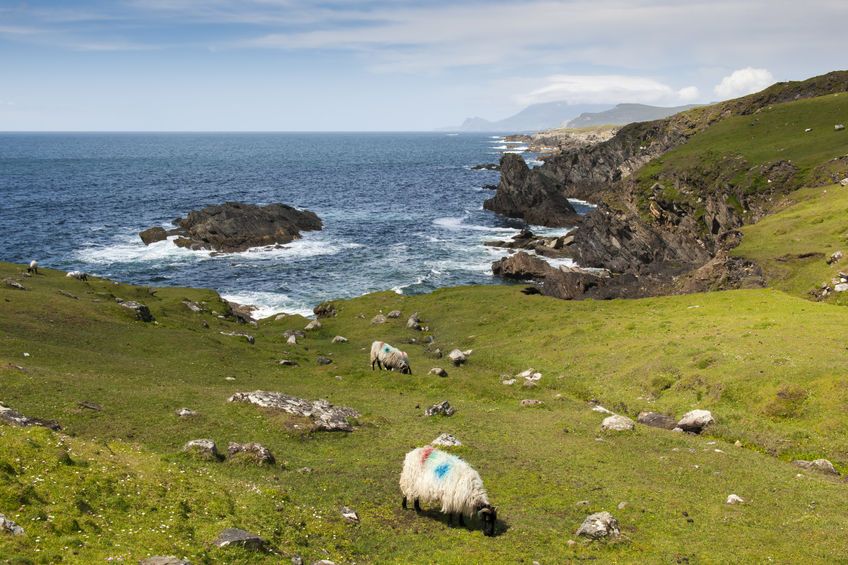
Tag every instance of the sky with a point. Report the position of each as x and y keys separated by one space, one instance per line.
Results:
x=377 y=65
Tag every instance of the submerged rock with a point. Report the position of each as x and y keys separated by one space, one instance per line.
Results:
x=152 y=235
x=236 y=226
x=324 y=415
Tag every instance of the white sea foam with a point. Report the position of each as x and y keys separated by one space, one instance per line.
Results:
x=500 y=147
x=268 y=303
x=456 y=224
x=451 y=134
x=582 y=202
x=534 y=162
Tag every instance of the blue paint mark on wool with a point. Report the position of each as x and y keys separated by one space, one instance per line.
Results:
x=442 y=470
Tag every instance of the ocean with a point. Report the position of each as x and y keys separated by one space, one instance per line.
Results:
x=401 y=211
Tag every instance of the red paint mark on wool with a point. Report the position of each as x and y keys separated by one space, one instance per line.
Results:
x=426 y=453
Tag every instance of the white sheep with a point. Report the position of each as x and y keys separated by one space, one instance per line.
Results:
x=390 y=358
x=79 y=275
x=433 y=476
x=33 y=267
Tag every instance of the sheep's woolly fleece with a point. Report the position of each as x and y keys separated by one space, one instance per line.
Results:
x=436 y=477
x=390 y=357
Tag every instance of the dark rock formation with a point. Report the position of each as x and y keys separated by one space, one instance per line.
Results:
x=141 y=311
x=235 y=226
x=325 y=310
x=15 y=418
x=486 y=167
x=240 y=538
x=530 y=194
x=656 y=420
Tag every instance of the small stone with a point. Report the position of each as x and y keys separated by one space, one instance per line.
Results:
x=229 y=378
x=288 y=363
x=438 y=371
x=292 y=340
x=186 y=413
x=297 y=560
x=414 y=322
x=617 y=423
x=9 y=527
x=571 y=543
x=844 y=182
x=601 y=409
x=88 y=405
x=821 y=465
x=583 y=503
x=656 y=420
x=350 y=515
x=442 y=408
x=339 y=339
x=841 y=287
x=834 y=257
x=141 y=311
x=240 y=538
x=695 y=421
x=247 y=337
x=529 y=384
x=253 y=452
x=280 y=317
x=508 y=382
x=599 y=525
x=322 y=360
x=446 y=440
x=203 y=448
x=378 y=319
x=457 y=357
x=531 y=402
x=738 y=443
x=324 y=562
x=164 y=560
x=14 y=284
x=622 y=505
x=295 y=333
x=839 y=127
x=313 y=325
x=394 y=314
x=735 y=499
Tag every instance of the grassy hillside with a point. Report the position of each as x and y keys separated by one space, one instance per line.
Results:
x=114 y=483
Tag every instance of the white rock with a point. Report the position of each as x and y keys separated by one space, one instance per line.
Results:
x=339 y=339
x=617 y=423
x=350 y=515
x=292 y=340
x=601 y=409
x=841 y=287
x=599 y=525
x=531 y=402
x=457 y=357
x=735 y=499
x=446 y=440
x=10 y=527
x=695 y=421
x=186 y=413
x=822 y=465
x=508 y=382
x=313 y=325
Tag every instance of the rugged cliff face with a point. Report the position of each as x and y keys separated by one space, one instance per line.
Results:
x=661 y=223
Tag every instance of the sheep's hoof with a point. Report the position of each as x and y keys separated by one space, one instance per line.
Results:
x=417 y=506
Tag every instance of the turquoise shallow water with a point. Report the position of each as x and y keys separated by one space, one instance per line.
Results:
x=401 y=211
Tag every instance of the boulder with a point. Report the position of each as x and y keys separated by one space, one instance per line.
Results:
x=202 y=448
x=324 y=415
x=252 y=452
x=164 y=560
x=438 y=371
x=457 y=357
x=734 y=499
x=378 y=319
x=617 y=423
x=14 y=284
x=193 y=306
x=656 y=420
x=695 y=421
x=486 y=167
x=292 y=340
x=446 y=440
x=442 y=408
x=349 y=514
x=340 y=339
x=839 y=127
x=820 y=465
x=530 y=194
x=323 y=360
x=240 y=538
x=599 y=525
x=394 y=314
x=141 y=311
x=414 y=322
x=236 y=226
x=313 y=325
x=15 y=418
x=152 y=235
x=835 y=257
x=293 y=333
x=7 y=526
x=325 y=310
x=186 y=413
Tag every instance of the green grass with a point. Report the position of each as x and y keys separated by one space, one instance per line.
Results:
x=127 y=491
x=792 y=245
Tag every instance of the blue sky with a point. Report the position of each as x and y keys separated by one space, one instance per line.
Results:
x=375 y=65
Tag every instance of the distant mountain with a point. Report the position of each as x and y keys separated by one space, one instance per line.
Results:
x=532 y=118
x=624 y=114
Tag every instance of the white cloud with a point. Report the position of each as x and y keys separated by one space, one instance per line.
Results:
x=688 y=94
x=742 y=82
x=606 y=89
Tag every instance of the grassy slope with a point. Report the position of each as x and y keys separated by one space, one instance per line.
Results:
x=726 y=354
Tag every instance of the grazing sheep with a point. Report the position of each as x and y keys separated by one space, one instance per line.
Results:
x=79 y=275
x=390 y=358
x=33 y=267
x=433 y=476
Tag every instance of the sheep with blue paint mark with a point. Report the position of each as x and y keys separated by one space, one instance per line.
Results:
x=434 y=477
x=391 y=358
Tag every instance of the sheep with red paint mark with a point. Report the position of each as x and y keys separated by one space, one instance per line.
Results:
x=433 y=476
x=391 y=358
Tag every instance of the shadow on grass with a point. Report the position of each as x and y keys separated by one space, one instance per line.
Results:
x=472 y=524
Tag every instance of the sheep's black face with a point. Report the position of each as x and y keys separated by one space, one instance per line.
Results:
x=489 y=517
x=405 y=370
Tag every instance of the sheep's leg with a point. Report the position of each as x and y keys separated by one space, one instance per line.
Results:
x=403 y=504
x=417 y=505
x=461 y=520
x=372 y=363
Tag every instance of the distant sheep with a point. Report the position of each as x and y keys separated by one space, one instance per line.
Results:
x=33 y=267
x=390 y=358
x=433 y=476
x=79 y=275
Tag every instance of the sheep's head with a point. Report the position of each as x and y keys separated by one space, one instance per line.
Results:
x=404 y=369
x=488 y=515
